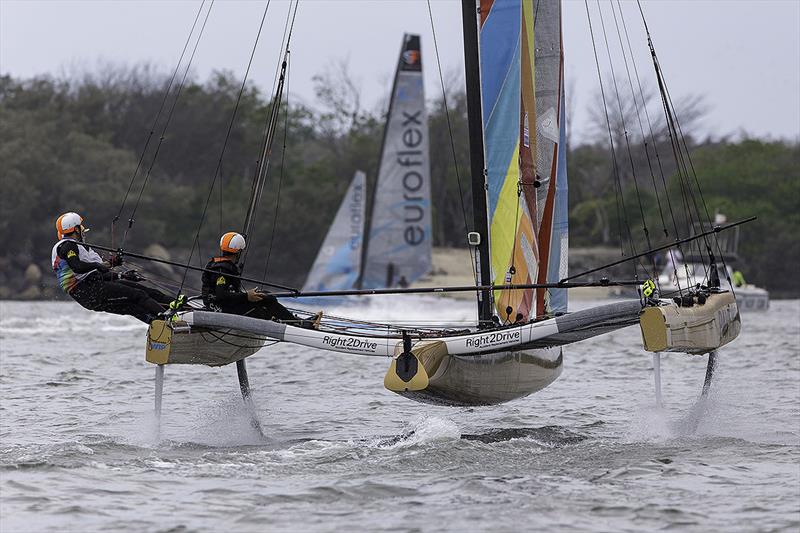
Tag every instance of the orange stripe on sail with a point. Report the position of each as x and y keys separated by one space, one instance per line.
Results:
x=486 y=6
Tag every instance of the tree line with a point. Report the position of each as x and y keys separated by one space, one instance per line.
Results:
x=74 y=144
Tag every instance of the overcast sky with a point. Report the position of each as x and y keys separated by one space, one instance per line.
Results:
x=743 y=56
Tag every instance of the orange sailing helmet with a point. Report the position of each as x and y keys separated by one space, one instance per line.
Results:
x=68 y=223
x=232 y=243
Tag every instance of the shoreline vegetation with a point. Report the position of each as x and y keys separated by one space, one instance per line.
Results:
x=74 y=145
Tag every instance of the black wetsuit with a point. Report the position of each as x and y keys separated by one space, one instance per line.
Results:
x=224 y=291
x=103 y=290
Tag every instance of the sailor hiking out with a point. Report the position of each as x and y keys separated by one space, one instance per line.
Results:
x=222 y=288
x=91 y=282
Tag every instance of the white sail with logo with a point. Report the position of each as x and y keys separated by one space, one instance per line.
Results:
x=398 y=249
x=337 y=263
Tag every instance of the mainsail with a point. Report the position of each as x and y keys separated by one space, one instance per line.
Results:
x=398 y=248
x=521 y=73
x=339 y=257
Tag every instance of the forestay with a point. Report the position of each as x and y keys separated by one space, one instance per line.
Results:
x=399 y=236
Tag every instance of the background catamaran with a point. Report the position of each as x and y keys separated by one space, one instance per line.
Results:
x=515 y=91
x=397 y=225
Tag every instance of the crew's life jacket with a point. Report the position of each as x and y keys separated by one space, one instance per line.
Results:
x=220 y=272
x=66 y=277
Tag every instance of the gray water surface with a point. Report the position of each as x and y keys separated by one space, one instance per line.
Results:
x=79 y=450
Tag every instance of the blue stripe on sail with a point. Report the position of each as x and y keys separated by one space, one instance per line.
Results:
x=340 y=272
x=499 y=42
x=502 y=134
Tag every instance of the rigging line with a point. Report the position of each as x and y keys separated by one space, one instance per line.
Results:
x=654 y=142
x=689 y=275
x=625 y=132
x=280 y=176
x=290 y=16
x=641 y=128
x=166 y=125
x=682 y=182
x=186 y=265
x=693 y=173
x=155 y=121
x=668 y=102
x=618 y=184
x=266 y=154
x=452 y=144
x=677 y=153
x=670 y=117
x=462 y=288
x=265 y=135
x=715 y=229
x=671 y=135
x=195 y=243
x=645 y=144
x=638 y=113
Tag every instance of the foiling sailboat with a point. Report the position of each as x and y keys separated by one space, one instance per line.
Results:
x=397 y=224
x=518 y=242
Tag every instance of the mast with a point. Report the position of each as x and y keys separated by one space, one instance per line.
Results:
x=469 y=12
x=264 y=161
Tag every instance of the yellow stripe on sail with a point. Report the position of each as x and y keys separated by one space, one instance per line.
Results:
x=505 y=218
x=509 y=216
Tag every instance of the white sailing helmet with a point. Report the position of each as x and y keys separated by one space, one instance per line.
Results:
x=67 y=223
x=232 y=243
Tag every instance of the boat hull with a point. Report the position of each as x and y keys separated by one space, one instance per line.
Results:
x=750 y=298
x=175 y=343
x=489 y=379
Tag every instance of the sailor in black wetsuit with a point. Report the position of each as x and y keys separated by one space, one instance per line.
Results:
x=89 y=280
x=222 y=288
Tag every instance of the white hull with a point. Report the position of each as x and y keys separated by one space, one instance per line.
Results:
x=752 y=298
x=476 y=368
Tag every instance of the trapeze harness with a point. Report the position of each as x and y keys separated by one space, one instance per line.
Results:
x=99 y=289
x=67 y=278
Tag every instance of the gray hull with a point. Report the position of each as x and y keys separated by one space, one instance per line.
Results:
x=490 y=379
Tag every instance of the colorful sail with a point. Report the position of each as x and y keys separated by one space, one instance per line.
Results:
x=521 y=73
x=337 y=264
x=399 y=237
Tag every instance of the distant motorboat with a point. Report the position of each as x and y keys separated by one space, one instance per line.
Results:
x=681 y=273
x=748 y=296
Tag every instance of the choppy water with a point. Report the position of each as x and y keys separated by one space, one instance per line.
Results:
x=79 y=451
